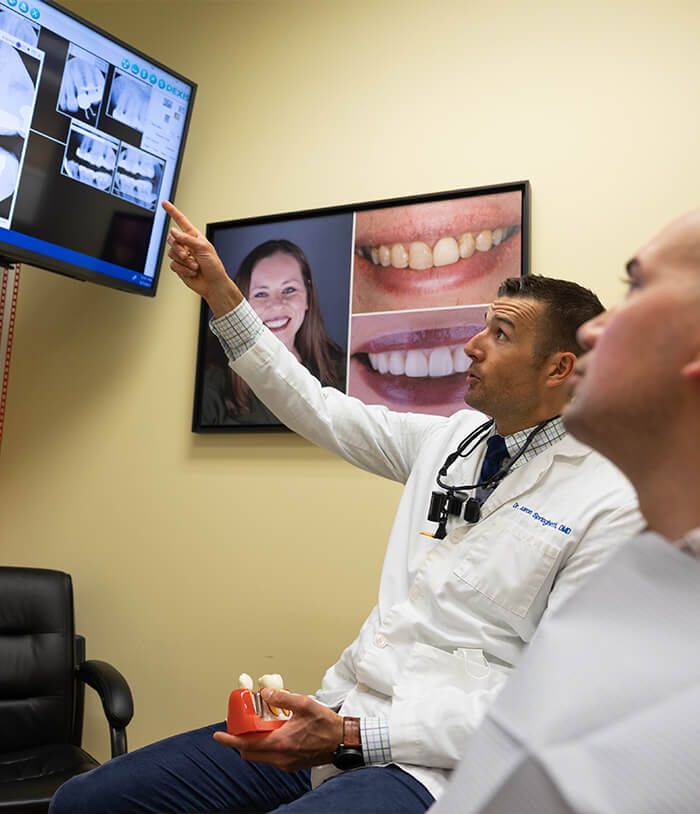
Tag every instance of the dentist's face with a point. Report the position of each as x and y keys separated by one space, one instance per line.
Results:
x=633 y=380
x=278 y=296
x=506 y=378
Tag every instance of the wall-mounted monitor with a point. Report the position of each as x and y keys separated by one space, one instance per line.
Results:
x=92 y=134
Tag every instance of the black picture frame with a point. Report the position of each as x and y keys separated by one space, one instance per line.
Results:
x=417 y=270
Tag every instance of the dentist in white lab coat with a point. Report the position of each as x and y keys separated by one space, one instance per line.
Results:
x=455 y=608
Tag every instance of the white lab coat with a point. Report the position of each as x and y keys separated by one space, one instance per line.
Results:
x=601 y=715
x=453 y=615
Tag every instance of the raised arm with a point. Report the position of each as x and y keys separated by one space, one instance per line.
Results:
x=370 y=437
x=196 y=263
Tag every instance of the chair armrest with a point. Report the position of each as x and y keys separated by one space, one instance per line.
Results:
x=115 y=694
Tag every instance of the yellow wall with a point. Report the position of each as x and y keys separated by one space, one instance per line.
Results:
x=195 y=558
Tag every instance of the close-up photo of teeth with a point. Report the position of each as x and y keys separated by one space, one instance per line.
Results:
x=413 y=360
x=138 y=177
x=434 y=362
x=452 y=251
x=90 y=159
x=128 y=101
x=445 y=251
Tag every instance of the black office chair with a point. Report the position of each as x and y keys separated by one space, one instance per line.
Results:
x=43 y=673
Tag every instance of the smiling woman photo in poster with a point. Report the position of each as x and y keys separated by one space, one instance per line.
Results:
x=296 y=276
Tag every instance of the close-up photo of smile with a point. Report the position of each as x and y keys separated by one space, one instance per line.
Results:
x=436 y=254
x=413 y=360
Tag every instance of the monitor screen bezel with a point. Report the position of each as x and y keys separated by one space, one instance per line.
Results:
x=12 y=255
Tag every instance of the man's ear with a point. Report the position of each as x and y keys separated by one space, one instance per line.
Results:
x=561 y=366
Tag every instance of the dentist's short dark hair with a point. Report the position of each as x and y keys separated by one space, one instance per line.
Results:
x=567 y=306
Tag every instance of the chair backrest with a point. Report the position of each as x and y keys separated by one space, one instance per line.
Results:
x=36 y=658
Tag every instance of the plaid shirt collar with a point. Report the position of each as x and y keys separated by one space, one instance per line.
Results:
x=548 y=435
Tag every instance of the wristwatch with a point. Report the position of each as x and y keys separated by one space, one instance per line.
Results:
x=348 y=755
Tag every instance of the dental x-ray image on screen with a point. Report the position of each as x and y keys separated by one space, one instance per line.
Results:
x=129 y=100
x=19 y=26
x=90 y=158
x=18 y=78
x=92 y=134
x=138 y=177
x=82 y=85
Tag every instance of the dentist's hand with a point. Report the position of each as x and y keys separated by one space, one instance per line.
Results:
x=309 y=737
x=195 y=261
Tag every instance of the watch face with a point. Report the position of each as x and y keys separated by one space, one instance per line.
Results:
x=347 y=758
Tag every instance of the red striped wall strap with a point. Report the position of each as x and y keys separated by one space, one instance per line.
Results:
x=9 y=286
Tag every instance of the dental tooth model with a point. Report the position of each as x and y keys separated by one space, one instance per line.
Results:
x=248 y=714
x=245 y=682
x=272 y=681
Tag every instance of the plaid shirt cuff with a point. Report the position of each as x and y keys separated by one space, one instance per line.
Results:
x=376 y=746
x=238 y=330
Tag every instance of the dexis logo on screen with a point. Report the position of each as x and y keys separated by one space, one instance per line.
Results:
x=153 y=78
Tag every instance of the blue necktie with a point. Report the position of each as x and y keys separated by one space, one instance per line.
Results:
x=495 y=453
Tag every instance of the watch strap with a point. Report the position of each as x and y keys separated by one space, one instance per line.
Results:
x=349 y=755
x=351 y=733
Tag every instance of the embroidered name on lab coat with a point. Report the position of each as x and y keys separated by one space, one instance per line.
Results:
x=544 y=521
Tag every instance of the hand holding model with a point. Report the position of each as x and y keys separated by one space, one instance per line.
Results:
x=308 y=738
x=263 y=712
x=195 y=261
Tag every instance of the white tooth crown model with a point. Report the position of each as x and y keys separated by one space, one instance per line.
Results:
x=271 y=681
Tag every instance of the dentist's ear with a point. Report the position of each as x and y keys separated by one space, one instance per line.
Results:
x=562 y=366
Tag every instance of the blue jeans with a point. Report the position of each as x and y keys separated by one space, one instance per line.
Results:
x=191 y=773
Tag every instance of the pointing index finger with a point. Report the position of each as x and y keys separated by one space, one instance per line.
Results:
x=179 y=218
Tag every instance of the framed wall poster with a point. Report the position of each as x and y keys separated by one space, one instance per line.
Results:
x=376 y=299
